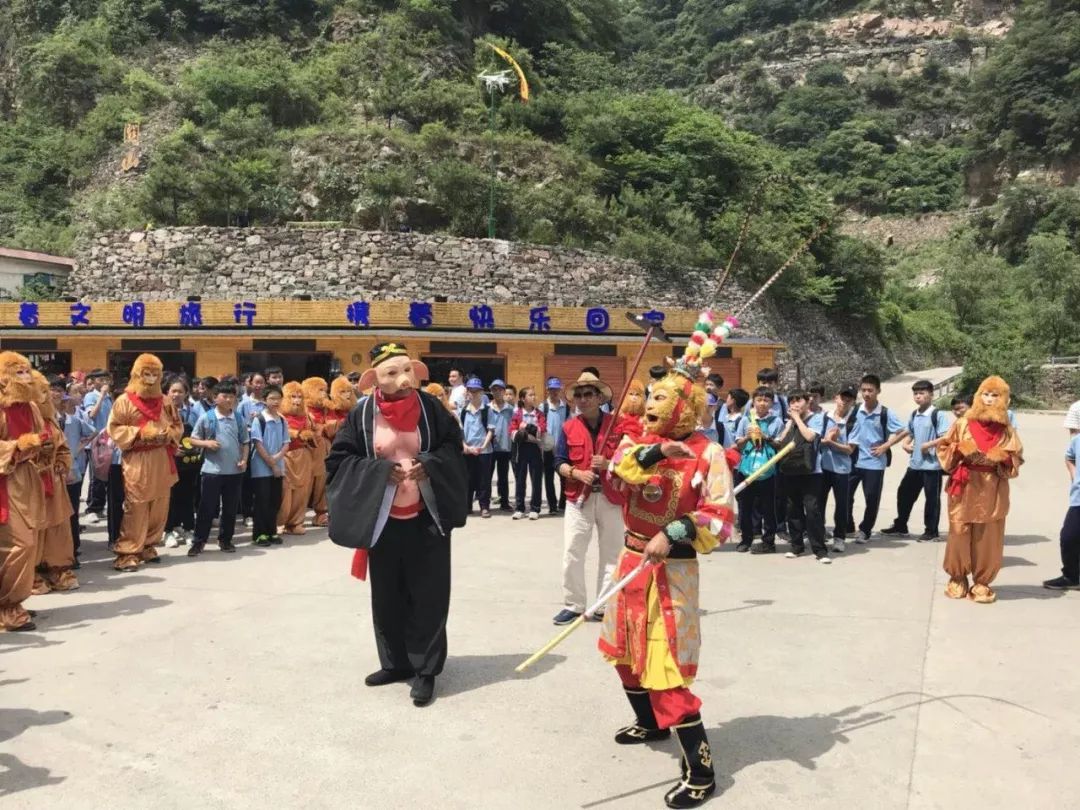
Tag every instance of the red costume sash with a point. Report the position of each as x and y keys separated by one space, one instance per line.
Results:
x=150 y=411
x=402 y=414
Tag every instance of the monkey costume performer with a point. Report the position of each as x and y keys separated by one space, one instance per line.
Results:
x=338 y=407
x=56 y=547
x=299 y=460
x=633 y=409
x=397 y=487
x=24 y=438
x=317 y=408
x=679 y=504
x=980 y=452
x=147 y=429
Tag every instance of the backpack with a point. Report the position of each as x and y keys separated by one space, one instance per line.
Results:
x=212 y=420
x=101 y=455
x=545 y=409
x=803 y=459
x=483 y=416
x=885 y=434
x=934 y=413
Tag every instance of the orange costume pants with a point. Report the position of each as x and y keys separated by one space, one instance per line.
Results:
x=295 y=495
x=975 y=549
x=318 y=496
x=18 y=552
x=140 y=530
x=56 y=552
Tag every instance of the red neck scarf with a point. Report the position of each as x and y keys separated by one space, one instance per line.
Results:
x=986 y=434
x=403 y=414
x=149 y=408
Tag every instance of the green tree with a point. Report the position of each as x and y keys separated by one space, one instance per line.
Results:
x=1051 y=277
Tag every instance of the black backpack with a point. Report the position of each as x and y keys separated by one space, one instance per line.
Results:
x=885 y=434
x=483 y=416
x=803 y=459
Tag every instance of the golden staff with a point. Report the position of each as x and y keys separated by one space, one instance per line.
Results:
x=622 y=583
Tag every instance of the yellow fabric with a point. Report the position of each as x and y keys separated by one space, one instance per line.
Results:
x=661 y=671
x=628 y=468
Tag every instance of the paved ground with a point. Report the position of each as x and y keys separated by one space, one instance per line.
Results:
x=236 y=682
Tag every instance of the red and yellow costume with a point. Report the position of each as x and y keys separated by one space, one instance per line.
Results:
x=56 y=547
x=980 y=452
x=148 y=430
x=318 y=409
x=651 y=633
x=299 y=460
x=24 y=439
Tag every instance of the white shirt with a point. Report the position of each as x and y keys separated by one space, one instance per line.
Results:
x=458 y=396
x=1072 y=418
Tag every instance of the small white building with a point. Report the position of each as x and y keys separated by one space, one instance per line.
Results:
x=21 y=267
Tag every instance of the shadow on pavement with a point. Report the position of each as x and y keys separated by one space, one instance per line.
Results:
x=1025 y=539
x=745 y=741
x=71 y=616
x=1008 y=593
x=1010 y=562
x=10 y=642
x=15 y=775
x=464 y=673
x=748 y=604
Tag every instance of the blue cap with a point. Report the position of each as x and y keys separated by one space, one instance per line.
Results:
x=554 y=382
x=474 y=384
x=497 y=384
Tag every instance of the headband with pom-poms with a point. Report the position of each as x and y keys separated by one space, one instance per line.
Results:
x=707 y=336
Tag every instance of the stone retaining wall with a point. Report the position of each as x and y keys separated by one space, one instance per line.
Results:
x=238 y=263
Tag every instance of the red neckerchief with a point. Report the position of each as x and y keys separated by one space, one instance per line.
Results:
x=403 y=415
x=150 y=411
x=297 y=422
x=986 y=436
x=149 y=408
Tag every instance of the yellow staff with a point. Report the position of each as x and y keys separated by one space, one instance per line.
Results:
x=622 y=583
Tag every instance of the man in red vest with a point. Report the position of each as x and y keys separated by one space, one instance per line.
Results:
x=592 y=502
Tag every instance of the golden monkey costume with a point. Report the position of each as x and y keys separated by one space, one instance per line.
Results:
x=632 y=410
x=299 y=460
x=981 y=452
x=652 y=631
x=147 y=429
x=24 y=439
x=317 y=407
x=56 y=548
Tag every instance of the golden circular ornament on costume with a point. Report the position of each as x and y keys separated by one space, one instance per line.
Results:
x=652 y=492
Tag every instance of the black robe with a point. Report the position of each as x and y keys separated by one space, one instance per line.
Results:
x=356 y=479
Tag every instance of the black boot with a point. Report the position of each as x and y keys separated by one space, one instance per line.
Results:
x=698 y=782
x=645 y=729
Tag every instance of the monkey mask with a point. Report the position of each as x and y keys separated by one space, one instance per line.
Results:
x=315 y=389
x=146 y=373
x=16 y=379
x=991 y=402
x=292 y=399
x=634 y=403
x=342 y=395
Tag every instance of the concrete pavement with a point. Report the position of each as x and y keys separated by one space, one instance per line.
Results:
x=236 y=681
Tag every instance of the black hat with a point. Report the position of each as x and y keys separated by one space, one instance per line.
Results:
x=847 y=391
x=384 y=351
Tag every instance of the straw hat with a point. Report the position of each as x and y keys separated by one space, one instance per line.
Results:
x=590 y=380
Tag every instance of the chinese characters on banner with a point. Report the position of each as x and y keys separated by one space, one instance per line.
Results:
x=357 y=314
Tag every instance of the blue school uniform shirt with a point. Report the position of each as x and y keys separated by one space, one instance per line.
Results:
x=555 y=416
x=248 y=408
x=870 y=435
x=1071 y=454
x=732 y=422
x=77 y=430
x=711 y=433
x=753 y=458
x=499 y=419
x=272 y=437
x=231 y=434
x=779 y=407
x=921 y=426
x=830 y=459
x=473 y=430
x=102 y=419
